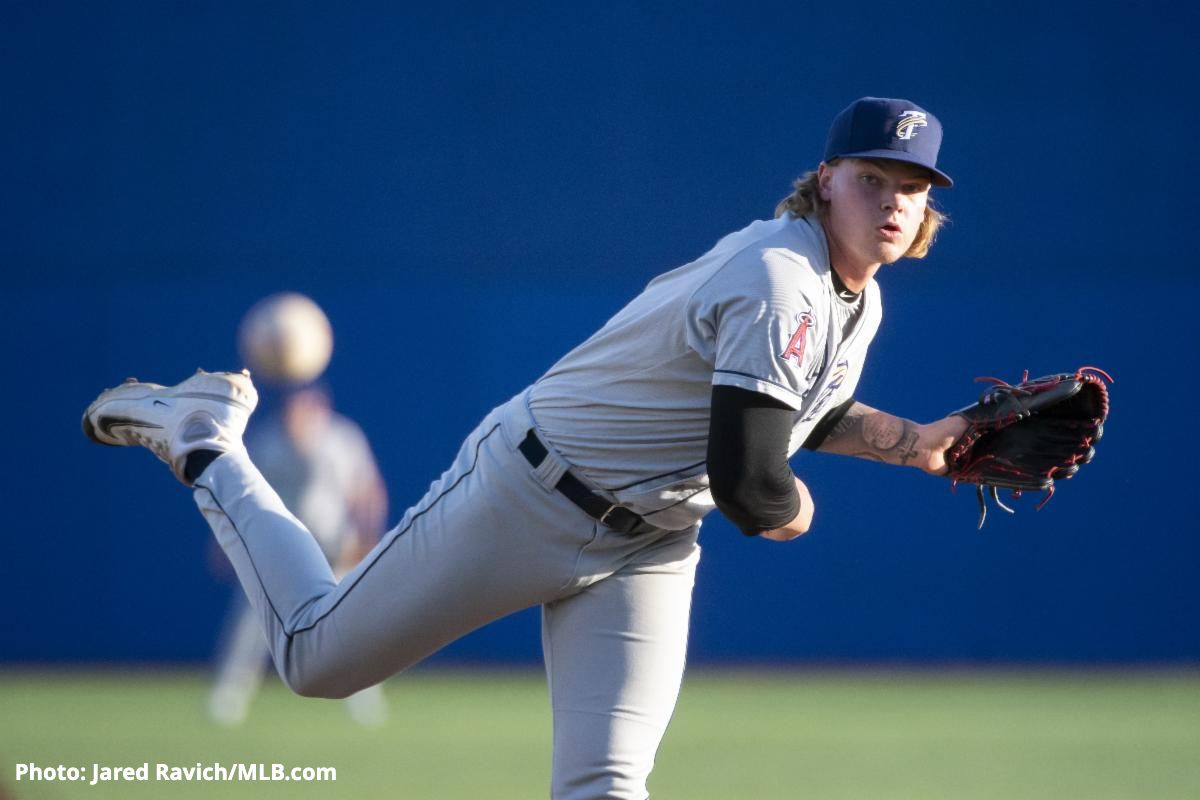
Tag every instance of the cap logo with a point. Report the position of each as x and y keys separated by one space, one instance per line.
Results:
x=906 y=128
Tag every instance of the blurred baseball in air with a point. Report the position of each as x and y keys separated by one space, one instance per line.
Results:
x=286 y=338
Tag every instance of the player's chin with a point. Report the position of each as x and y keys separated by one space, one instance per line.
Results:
x=891 y=253
x=897 y=248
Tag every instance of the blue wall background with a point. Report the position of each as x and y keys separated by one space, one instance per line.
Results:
x=471 y=189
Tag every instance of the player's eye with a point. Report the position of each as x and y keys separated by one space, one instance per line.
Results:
x=870 y=179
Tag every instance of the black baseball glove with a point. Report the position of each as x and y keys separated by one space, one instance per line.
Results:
x=1026 y=437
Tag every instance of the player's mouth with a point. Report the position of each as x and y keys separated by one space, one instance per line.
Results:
x=890 y=231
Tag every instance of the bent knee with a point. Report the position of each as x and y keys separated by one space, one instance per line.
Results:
x=324 y=689
x=326 y=683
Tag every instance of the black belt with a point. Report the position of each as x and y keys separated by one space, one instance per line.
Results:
x=608 y=514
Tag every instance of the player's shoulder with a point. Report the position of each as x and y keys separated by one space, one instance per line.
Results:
x=346 y=438
x=342 y=428
x=792 y=251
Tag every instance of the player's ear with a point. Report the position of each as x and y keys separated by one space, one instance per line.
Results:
x=824 y=179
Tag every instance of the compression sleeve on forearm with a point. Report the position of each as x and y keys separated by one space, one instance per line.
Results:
x=748 y=470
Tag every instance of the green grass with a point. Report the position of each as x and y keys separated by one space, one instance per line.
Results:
x=761 y=735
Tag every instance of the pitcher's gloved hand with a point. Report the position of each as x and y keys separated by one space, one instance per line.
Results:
x=1024 y=437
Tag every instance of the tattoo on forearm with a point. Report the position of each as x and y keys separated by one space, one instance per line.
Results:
x=906 y=448
x=849 y=421
x=882 y=432
x=873 y=434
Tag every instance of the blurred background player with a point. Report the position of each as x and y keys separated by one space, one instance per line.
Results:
x=320 y=464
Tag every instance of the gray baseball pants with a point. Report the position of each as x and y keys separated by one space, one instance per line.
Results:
x=489 y=538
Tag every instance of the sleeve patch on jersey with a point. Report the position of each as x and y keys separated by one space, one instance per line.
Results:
x=840 y=370
x=795 y=348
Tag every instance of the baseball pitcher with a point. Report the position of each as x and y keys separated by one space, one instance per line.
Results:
x=584 y=494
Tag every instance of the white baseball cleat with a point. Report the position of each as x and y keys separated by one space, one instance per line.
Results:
x=208 y=411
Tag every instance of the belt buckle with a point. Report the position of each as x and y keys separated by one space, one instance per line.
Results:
x=603 y=518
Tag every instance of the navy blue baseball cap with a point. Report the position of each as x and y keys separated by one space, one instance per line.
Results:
x=883 y=127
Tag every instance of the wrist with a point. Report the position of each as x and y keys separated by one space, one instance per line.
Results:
x=934 y=439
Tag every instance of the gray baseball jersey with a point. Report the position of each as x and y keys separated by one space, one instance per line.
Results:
x=625 y=415
x=629 y=408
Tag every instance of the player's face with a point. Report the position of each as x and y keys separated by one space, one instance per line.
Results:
x=876 y=207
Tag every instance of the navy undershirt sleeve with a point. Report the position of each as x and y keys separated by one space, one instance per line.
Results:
x=748 y=470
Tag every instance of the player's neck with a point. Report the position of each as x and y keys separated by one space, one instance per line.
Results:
x=855 y=278
x=844 y=292
x=853 y=273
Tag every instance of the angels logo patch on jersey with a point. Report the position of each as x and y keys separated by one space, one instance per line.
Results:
x=906 y=128
x=795 y=348
x=840 y=370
